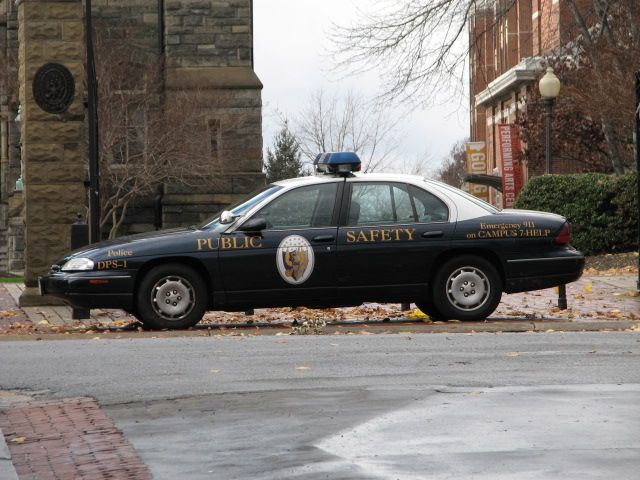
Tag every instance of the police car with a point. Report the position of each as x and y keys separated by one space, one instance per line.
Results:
x=338 y=238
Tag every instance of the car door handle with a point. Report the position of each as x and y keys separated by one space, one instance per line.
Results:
x=324 y=238
x=433 y=234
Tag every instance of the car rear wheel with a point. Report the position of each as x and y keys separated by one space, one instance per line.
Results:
x=467 y=288
x=171 y=296
x=430 y=309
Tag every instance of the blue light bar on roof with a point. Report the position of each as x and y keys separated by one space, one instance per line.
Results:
x=337 y=162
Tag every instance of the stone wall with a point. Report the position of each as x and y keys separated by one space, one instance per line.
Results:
x=207 y=47
x=208 y=51
x=209 y=33
x=53 y=145
x=134 y=20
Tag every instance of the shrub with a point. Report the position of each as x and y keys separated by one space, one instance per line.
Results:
x=602 y=209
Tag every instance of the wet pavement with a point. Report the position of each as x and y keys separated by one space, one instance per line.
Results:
x=404 y=406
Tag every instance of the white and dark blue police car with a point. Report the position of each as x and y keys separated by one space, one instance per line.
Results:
x=338 y=238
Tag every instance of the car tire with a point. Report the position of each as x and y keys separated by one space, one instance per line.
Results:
x=432 y=312
x=467 y=288
x=171 y=296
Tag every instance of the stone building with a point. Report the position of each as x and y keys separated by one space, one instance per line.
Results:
x=508 y=41
x=206 y=47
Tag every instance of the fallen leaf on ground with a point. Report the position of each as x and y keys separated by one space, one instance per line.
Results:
x=18 y=440
x=513 y=354
x=417 y=313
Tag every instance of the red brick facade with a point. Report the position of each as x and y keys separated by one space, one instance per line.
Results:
x=508 y=39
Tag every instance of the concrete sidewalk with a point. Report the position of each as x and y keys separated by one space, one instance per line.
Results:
x=7 y=471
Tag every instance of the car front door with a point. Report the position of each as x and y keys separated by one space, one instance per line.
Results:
x=290 y=262
x=389 y=236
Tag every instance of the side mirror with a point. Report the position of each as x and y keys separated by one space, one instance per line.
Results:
x=227 y=217
x=254 y=225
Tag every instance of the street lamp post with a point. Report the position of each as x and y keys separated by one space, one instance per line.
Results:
x=550 y=89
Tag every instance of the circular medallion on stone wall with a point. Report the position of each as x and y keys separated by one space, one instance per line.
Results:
x=54 y=88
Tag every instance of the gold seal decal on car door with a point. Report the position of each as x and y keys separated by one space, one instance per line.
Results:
x=295 y=259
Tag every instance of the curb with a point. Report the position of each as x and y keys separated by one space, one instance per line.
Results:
x=518 y=326
x=7 y=471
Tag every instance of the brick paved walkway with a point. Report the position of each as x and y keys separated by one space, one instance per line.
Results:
x=69 y=439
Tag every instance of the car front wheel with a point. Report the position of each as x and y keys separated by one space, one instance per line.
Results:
x=467 y=288
x=171 y=296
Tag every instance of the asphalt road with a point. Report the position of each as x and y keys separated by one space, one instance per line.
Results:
x=485 y=406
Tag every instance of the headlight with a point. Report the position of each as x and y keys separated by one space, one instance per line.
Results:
x=78 y=264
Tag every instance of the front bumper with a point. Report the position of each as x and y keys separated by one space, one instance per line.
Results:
x=90 y=289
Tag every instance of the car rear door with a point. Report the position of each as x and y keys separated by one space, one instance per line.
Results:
x=389 y=236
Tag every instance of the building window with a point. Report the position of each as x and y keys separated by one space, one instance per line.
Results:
x=215 y=137
x=129 y=145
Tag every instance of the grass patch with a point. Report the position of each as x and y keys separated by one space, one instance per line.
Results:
x=11 y=279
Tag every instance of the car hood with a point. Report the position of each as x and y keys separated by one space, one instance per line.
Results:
x=180 y=240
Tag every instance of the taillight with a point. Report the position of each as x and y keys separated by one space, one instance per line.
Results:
x=564 y=235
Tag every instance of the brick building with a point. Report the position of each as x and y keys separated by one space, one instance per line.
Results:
x=207 y=47
x=508 y=40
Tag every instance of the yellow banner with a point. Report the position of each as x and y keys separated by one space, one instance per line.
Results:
x=477 y=163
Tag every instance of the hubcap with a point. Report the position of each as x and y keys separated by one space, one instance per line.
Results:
x=468 y=288
x=172 y=298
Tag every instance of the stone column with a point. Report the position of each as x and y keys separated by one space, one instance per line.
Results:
x=53 y=145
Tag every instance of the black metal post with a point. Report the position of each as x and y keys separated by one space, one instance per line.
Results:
x=562 y=297
x=92 y=100
x=638 y=164
x=548 y=103
x=79 y=238
x=161 y=26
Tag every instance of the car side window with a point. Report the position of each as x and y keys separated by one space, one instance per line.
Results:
x=379 y=203
x=304 y=207
x=429 y=208
x=402 y=201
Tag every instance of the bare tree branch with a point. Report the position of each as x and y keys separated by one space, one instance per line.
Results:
x=149 y=138
x=421 y=46
x=347 y=124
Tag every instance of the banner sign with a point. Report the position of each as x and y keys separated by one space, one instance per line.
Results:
x=477 y=163
x=511 y=167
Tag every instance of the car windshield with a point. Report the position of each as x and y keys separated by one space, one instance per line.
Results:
x=241 y=207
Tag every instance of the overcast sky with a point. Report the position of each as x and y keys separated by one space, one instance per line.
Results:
x=291 y=59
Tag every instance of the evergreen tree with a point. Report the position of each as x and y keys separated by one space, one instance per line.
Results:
x=284 y=160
